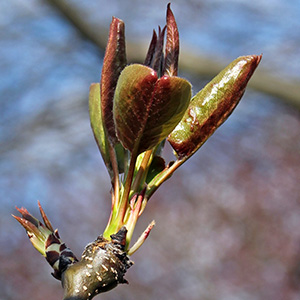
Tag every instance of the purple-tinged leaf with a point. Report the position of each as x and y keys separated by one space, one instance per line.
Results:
x=45 y=218
x=135 y=86
x=172 y=45
x=158 y=54
x=30 y=224
x=170 y=100
x=151 y=50
x=212 y=106
x=146 y=109
x=114 y=62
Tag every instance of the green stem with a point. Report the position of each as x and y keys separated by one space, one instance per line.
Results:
x=115 y=183
x=116 y=180
x=162 y=177
x=116 y=190
x=127 y=188
x=141 y=174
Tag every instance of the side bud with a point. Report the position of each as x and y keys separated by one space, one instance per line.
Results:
x=47 y=241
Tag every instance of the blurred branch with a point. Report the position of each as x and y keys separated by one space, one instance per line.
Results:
x=190 y=61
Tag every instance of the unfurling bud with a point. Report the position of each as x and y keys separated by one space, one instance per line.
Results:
x=172 y=45
x=147 y=108
x=47 y=241
x=212 y=106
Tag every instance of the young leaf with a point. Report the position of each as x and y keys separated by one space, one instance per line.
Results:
x=172 y=45
x=151 y=50
x=158 y=54
x=212 y=106
x=100 y=133
x=98 y=126
x=146 y=109
x=113 y=63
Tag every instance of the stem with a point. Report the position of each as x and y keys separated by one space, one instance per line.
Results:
x=141 y=172
x=134 y=215
x=116 y=182
x=127 y=187
x=116 y=189
x=163 y=176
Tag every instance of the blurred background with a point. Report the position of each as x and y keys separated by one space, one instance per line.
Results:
x=227 y=221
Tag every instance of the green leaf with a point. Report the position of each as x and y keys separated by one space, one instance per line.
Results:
x=97 y=124
x=212 y=106
x=113 y=63
x=100 y=133
x=146 y=109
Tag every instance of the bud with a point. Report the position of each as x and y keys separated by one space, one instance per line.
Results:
x=212 y=106
x=47 y=241
x=147 y=108
x=172 y=45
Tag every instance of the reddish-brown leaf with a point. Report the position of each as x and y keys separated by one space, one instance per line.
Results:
x=151 y=50
x=212 y=106
x=158 y=54
x=172 y=45
x=114 y=62
x=147 y=109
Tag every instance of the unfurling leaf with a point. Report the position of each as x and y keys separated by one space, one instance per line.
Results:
x=100 y=133
x=98 y=126
x=113 y=63
x=158 y=57
x=172 y=45
x=47 y=241
x=212 y=105
x=146 y=109
x=151 y=50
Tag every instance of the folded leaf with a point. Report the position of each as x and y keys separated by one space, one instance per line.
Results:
x=172 y=45
x=151 y=50
x=158 y=57
x=212 y=106
x=100 y=133
x=97 y=125
x=146 y=109
x=113 y=63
